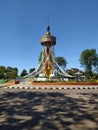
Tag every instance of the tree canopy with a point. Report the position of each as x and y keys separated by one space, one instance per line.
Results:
x=61 y=61
x=2 y=72
x=31 y=70
x=89 y=60
x=24 y=72
x=8 y=73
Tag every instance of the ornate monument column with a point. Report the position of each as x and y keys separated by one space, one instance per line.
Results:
x=48 y=41
x=48 y=66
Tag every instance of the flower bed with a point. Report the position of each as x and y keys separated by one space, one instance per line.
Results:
x=63 y=83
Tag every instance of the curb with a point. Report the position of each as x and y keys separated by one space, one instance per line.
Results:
x=53 y=88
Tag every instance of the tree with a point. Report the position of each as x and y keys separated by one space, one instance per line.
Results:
x=89 y=60
x=96 y=69
x=14 y=72
x=24 y=72
x=2 y=72
x=8 y=73
x=31 y=70
x=11 y=73
x=61 y=61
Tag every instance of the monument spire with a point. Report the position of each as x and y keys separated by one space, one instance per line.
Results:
x=48 y=28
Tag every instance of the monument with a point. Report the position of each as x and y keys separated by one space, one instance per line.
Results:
x=48 y=67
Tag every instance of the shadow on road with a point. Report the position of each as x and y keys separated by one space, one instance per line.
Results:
x=48 y=111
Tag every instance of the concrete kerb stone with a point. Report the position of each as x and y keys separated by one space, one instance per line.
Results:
x=60 y=88
x=25 y=86
x=54 y=88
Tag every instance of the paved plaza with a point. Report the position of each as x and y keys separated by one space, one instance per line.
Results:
x=48 y=109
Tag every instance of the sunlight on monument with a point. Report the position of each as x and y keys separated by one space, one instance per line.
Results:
x=48 y=67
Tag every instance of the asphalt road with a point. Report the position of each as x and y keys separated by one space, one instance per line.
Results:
x=30 y=109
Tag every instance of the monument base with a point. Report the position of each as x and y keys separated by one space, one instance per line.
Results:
x=63 y=83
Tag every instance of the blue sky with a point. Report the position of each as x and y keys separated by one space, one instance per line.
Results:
x=23 y=22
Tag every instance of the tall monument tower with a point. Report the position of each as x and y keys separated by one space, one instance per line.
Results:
x=48 y=67
x=48 y=41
